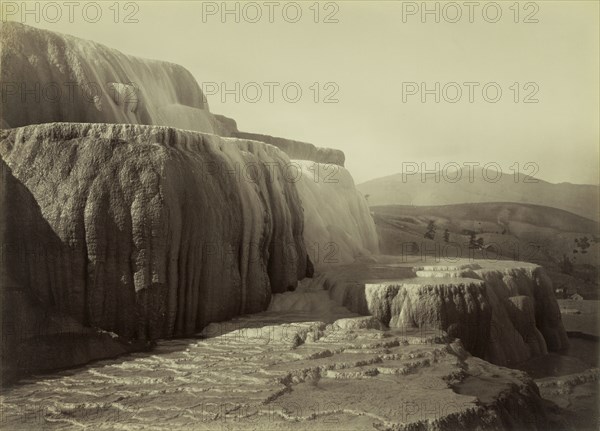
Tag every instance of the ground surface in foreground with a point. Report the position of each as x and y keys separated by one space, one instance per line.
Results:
x=309 y=363
x=273 y=372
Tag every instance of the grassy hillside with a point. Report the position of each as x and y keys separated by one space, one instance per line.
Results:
x=566 y=244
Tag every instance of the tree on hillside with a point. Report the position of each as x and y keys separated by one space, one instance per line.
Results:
x=566 y=266
x=475 y=242
x=446 y=235
x=583 y=243
x=430 y=233
x=472 y=240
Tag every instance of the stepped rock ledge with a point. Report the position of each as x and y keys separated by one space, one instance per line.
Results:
x=134 y=215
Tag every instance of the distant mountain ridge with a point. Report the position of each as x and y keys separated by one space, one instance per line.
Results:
x=416 y=189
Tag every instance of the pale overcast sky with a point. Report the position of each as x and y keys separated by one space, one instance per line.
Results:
x=368 y=55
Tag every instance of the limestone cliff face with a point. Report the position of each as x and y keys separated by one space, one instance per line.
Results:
x=527 y=322
x=504 y=312
x=49 y=77
x=151 y=231
x=52 y=77
x=338 y=227
x=35 y=334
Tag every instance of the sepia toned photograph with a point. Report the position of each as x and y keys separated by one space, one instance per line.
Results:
x=301 y=215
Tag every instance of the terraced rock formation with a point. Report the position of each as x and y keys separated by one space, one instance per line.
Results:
x=52 y=77
x=147 y=241
x=122 y=232
x=151 y=232
x=289 y=370
x=504 y=312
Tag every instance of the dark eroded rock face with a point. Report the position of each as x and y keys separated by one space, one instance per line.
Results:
x=35 y=334
x=146 y=231
x=527 y=320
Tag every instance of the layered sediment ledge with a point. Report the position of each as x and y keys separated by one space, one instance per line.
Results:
x=504 y=312
x=298 y=150
x=294 y=149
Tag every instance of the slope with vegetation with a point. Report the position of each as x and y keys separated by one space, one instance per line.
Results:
x=566 y=244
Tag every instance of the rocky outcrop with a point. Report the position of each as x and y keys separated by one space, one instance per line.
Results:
x=294 y=149
x=50 y=77
x=226 y=126
x=527 y=320
x=153 y=232
x=35 y=334
x=298 y=150
x=504 y=312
